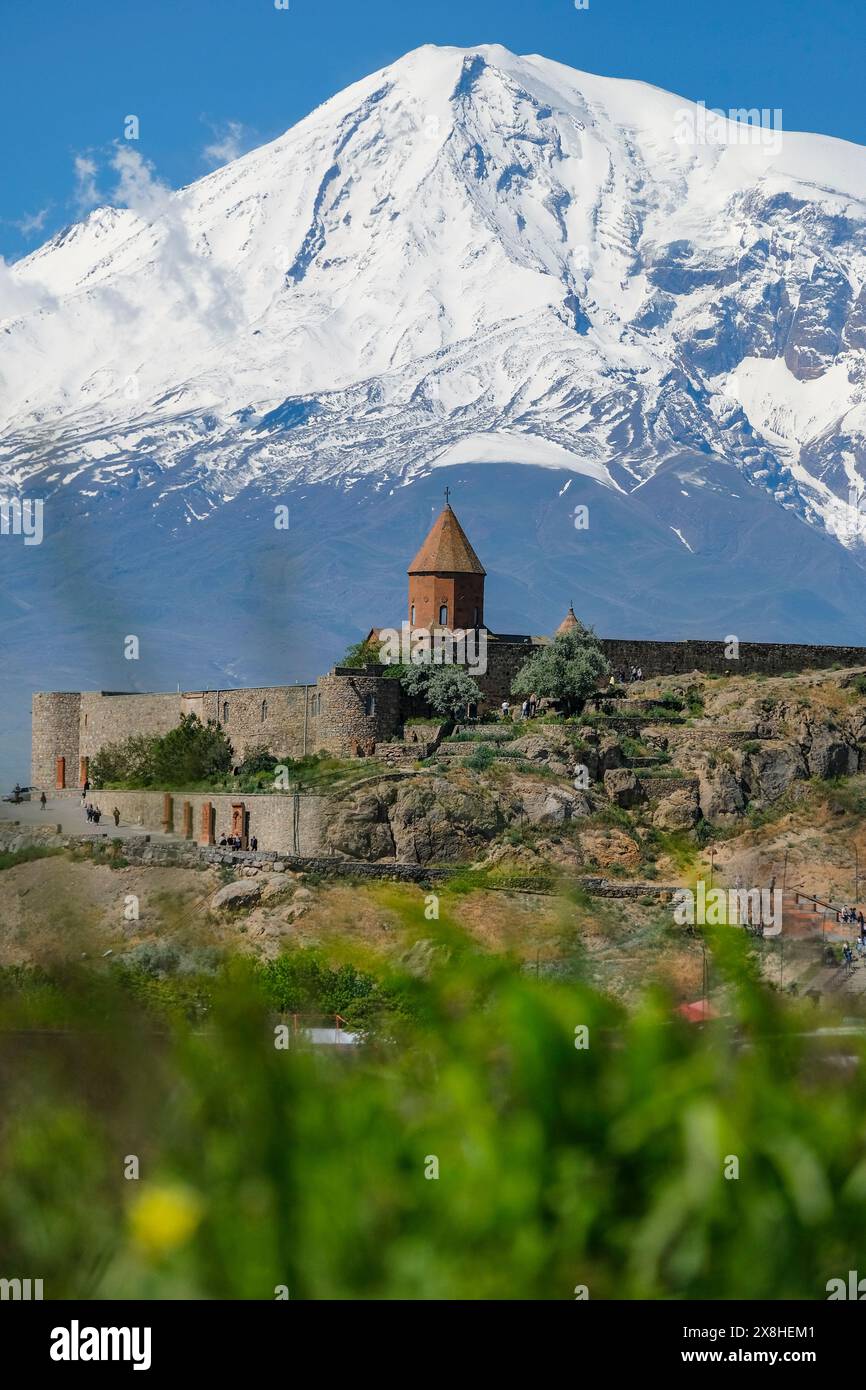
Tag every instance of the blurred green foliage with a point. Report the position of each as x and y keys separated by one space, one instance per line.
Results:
x=558 y=1165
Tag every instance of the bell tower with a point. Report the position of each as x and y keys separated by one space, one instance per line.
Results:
x=446 y=578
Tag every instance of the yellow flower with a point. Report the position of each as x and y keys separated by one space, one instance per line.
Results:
x=164 y=1217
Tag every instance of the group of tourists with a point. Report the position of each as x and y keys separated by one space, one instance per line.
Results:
x=94 y=814
x=528 y=709
x=627 y=676
x=235 y=842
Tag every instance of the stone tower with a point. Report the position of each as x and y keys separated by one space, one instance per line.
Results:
x=446 y=579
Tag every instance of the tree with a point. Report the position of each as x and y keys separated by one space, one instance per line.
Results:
x=364 y=653
x=447 y=689
x=258 y=759
x=192 y=752
x=130 y=762
x=568 y=670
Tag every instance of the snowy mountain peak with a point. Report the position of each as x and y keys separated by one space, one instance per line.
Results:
x=468 y=255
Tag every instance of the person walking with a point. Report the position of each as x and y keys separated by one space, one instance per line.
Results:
x=254 y=844
x=43 y=801
x=524 y=709
x=116 y=814
x=506 y=710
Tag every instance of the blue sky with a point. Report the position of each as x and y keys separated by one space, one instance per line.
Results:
x=206 y=77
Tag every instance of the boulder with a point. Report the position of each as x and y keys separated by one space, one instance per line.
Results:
x=360 y=828
x=623 y=787
x=234 y=895
x=830 y=756
x=770 y=771
x=276 y=886
x=553 y=806
x=435 y=822
x=721 y=796
x=679 y=811
x=610 y=849
x=610 y=754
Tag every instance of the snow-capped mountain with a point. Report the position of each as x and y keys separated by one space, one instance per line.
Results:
x=563 y=289
x=467 y=256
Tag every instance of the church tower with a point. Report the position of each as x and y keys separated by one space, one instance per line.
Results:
x=446 y=578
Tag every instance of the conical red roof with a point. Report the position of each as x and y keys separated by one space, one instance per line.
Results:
x=568 y=623
x=446 y=549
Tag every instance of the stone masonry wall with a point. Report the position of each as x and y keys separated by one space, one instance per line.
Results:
x=283 y=718
x=350 y=711
x=756 y=658
x=55 y=735
x=286 y=823
x=108 y=718
x=358 y=710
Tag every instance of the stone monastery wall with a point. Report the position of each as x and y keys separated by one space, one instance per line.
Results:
x=348 y=712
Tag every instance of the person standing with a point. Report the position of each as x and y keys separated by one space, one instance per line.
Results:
x=116 y=814
x=43 y=801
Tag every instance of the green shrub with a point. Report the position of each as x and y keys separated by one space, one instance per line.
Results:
x=482 y=758
x=12 y=858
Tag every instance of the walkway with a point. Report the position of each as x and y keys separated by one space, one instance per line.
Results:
x=69 y=815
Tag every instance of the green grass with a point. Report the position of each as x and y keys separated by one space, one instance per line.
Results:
x=12 y=859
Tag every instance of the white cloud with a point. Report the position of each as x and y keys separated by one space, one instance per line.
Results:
x=229 y=143
x=33 y=222
x=198 y=283
x=17 y=297
x=86 y=193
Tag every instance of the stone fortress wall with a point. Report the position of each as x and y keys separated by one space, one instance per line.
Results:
x=348 y=712
x=345 y=713
x=755 y=658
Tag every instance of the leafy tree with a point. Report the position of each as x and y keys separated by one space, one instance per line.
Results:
x=129 y=761
x=259 y=759
x=447 y=689
x=450 y=689
x=191 y=752
x=568 y=670
x=364 y=653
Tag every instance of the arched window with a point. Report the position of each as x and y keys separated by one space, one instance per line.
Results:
x=225 y=711
x=443 y=615
x=264 y=710
x=369 y=705
x=412 y=615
